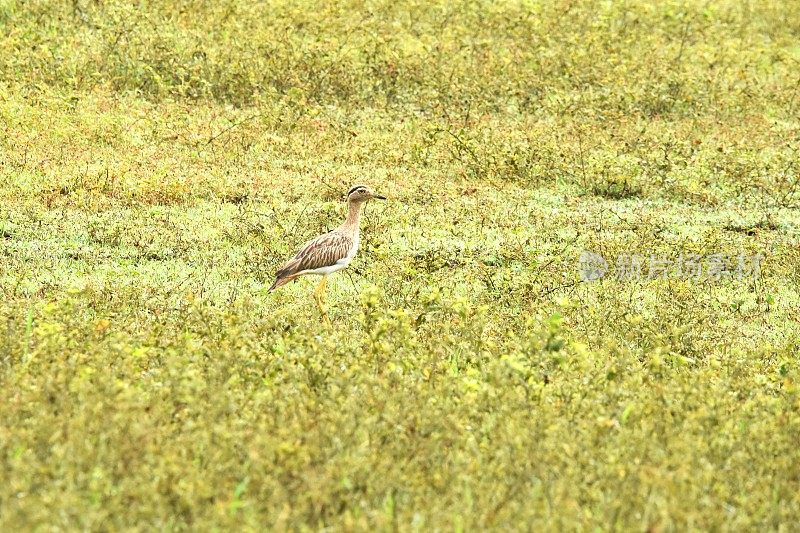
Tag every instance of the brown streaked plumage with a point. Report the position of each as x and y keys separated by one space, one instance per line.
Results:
x=320 y=252
x=330 y=252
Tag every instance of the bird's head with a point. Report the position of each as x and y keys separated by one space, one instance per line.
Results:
x=362 y=193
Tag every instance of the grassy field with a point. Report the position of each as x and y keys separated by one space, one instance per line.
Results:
x=159 y=161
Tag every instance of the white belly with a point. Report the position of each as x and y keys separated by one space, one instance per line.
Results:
x=324 y=271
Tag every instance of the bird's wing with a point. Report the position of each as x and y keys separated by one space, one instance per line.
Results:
x=323 y=251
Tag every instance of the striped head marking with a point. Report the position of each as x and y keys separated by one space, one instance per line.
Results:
x=362 y=193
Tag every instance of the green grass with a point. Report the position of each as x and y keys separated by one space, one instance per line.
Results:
x=158 y=163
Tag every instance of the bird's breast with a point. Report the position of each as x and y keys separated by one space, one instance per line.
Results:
x=353 y=249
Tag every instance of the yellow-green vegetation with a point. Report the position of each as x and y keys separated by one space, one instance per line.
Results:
x=160 y=159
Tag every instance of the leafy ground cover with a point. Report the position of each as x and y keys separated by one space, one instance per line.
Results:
x=159 y=161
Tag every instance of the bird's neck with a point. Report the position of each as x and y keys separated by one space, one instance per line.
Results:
x=353 y=216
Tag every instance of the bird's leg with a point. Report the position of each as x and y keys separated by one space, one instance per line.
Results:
x=322 y=286
x=319 y=296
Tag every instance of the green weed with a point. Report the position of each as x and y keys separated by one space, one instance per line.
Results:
x=158 y=162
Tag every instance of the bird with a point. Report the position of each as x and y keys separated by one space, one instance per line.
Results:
x=330 y=252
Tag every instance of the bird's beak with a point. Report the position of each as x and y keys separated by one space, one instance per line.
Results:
x=379 y=197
